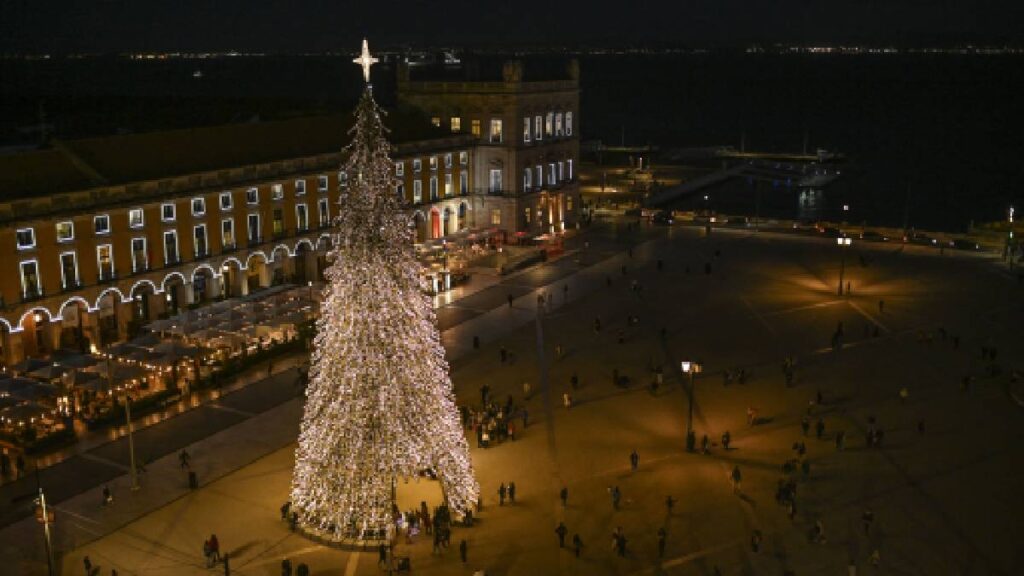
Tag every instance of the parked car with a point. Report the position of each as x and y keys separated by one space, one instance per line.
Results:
x=663 y=218
x=964 y=244
x=872 y=236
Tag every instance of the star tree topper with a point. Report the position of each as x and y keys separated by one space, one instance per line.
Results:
x=365 y=60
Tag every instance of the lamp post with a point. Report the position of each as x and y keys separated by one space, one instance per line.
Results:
x=132 y=471
x=45 y=519
x=843 y=242
x=690 y=368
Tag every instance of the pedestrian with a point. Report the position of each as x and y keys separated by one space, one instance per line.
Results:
x=920 y=426
x=566 y=400
x=526 y=390
x=577 y=544
x=462 y=550
x=755 y=541
x=875 y=558
x=207 y=553
x=511 y=492
x=526 y=417
x=620 y=543
x=214 y=547
x=634 y=460
x=881 y=306
x=185 y=459
x=737 y=478
x=20 y=461
x=107 y=496
x=511 y=430
x=510 y=300
x=561 y=530
x=819 y=532
x=840 y=440
x=574 y=380
x=661 y=542
x=485 y=392
x=565 y=292
x=563 y=494
x=726 y=439
x=867 y=518
x=382 y=555
x=751 y=416
x=502 y=490
x=286 y=565
x=88 y=565
x=805 y=425
x=705 y=444
x=819 y=428
x=669 y=504
x=616 y=497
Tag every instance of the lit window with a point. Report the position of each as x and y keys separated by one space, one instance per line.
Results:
x=226 y=201
x=105 y=259
x=253 y=232
x=436 y=121
x=448 y=160
x=551 y=174
x=198 y=206
x=495 y=131
x=199 y=240
x=417 y=191
x=474 y=128
x=140 y=260
x=526 y=214
x=495 y=180
x=447 y=184
x=433 y=162
x=399 y=168
x=167 y=212
x=301 y=217
x=568 y=203
x=456 y=124
x=400 y=191
x=526 y=130
x=69 y=270
x=569 y=169
x=538 y=128
x=568 y=123
x=527 y=179
x=325 y=216
x=30 y=286
x=65 y=231
x=135 y=218
x=26 y=238
x=278 y=223
x=495 y=216
x=464 y=158
x=300 y=187
x=549 y=121
x=102 y=224
x=227 y=233
x=463 y=183
x=558 y=124
x=539 y=173
x=276 y=191
x=252 y=196
x=433 y=187
x=417 y=166
x=322 y=184
x=171 y=247
x=342 y=178
x=561 y=170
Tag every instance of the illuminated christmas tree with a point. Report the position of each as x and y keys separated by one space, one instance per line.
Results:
x=379 y=406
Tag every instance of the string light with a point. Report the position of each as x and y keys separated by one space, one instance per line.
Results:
x=379 y=406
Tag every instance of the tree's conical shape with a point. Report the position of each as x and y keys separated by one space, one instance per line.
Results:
x=379 y=406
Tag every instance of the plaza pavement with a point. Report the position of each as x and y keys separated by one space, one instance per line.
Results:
x=944 y=500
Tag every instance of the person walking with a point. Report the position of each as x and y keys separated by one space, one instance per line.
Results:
x=726 y=439
x=88 y=566
x=563 y=494
x=185 y=459
x=462 y=550
x=616 y=496
x=510 y=298
x=107 y=496
x=526 y=390
x=214 y=548
x=207 y=553
x=577 y=544
x=661 y=542
x=382 y=555
x=669 y=504
x=819 y=428
x=868 y=517
x=561 y=530
x=620 y=543
x=526 y=417
x=634 y=460
x=502 y=490
x=737 y=478
x=286 y=566
x=566 y=400
x=805 y=425
x=511 y=492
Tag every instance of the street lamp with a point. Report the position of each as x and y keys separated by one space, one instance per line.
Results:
x=132 y=471
x=45 y=518
x=690 y=368
x=843 y=242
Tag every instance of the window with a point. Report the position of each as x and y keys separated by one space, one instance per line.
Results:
x=558 y=124
x=549 y=121
x=568 y=123
x=325 y=216
x=433 y=163
x=68 y=270
x=496 y=216
x=102 y=224
x=495 y=180
x=436 y=121
x=278 y=223
x=433 y=187
x=463 y=182
x=569 y=169
x=526 y=130
x=568 y=203
x=456 y=123
x=140 y=260
x=252 y=195
x=417 y=191
x=227 y=233
x=400 y=192
x=26 y=238
x=65 y=231
x=30 y=287
x=198 y=206
x=399 y=168
x=417 y=166
x=301 y=217
x=538 y=128
x=464 y=158
x=539 y=173
x=321 y=183
x=199 y=241
x=276 y=191
x=561 y=171
x=527 y=179
x=448 y=160
x=342 y=178
x=227 y=202
x=167 y=212
x=551 y=174
x=171 y=247
x=136 y=219
x=300 y=187
x=253 y=232
x=526 y=214
x=495 y=130
x=448 y=184
x=474 y=128
x=105 y=259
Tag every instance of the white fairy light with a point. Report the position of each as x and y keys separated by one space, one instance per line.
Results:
x=379 y=405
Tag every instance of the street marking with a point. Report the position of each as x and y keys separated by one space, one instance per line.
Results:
x=220 y=406
x=758 y=315
x=870 y=318
x=101 y=460
x=679 y=561
x=800 y=308
x=353 y=563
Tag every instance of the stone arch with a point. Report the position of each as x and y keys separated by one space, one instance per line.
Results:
x=254 y=254
x=110 y=290
x=7 y=325
x=200 y=267
x=33 y=310
x=273 y=253
x=139 y=284
x=78 y=299
x=163 y=284
x=229 y=259
x=304 y=241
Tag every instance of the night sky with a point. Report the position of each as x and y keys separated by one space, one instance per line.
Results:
x=321 y=25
